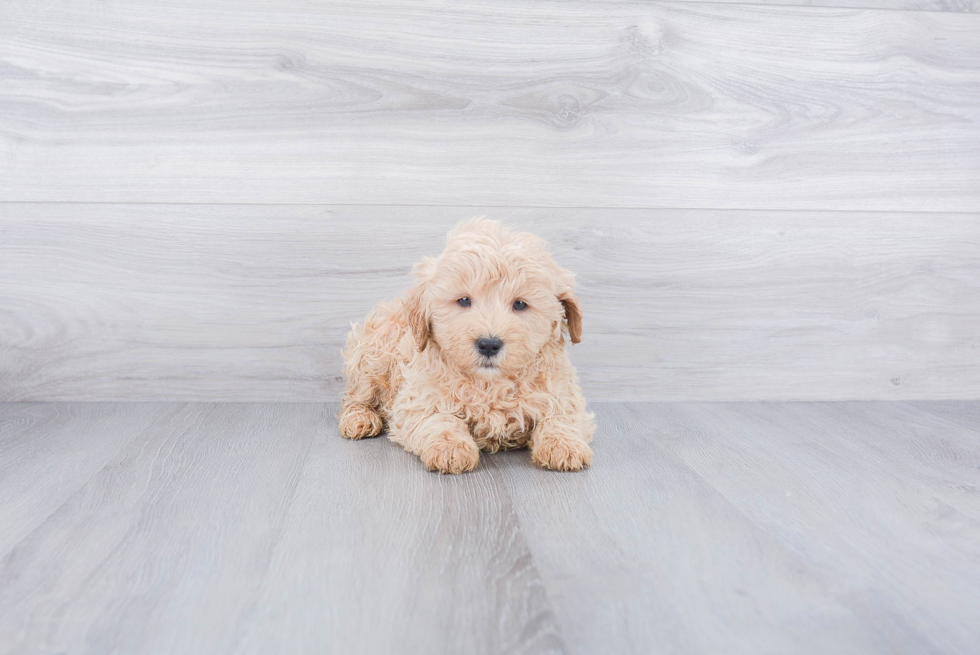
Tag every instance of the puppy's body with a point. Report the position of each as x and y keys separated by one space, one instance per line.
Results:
x=450 y=378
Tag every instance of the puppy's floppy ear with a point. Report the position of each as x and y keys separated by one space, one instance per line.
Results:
x=415 y=304
x=573 y=315
x=418 y=322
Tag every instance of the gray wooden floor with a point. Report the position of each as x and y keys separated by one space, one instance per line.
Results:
x=701 y=528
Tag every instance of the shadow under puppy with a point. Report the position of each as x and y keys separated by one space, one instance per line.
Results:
x=473 y=357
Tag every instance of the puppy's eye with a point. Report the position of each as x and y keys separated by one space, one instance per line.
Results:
x=464 y=301
x=519 y=305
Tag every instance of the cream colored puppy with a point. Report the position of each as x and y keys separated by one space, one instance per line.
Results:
x=473 y=357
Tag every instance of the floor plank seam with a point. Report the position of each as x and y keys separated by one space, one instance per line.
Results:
x=255 y=593
x=495 y=470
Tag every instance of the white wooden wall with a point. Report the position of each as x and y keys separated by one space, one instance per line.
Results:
x=761 y=201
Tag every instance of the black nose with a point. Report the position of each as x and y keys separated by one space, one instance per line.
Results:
x=489 y=346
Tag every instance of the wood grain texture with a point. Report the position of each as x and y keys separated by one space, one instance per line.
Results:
x=875 y=473
x=49 y=451
x=762 y=527
x=159 y=551
x=183 y=302
x=965 y=413
x=377 y=555
x=624 y=104
x=255 y=528
x=956 y=6
x=700 y=528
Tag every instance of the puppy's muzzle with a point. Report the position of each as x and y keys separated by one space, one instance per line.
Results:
x=489 y=347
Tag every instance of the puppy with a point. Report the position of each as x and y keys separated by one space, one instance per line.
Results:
x=473 y=357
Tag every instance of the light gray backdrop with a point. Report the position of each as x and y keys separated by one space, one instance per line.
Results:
x=760 y=201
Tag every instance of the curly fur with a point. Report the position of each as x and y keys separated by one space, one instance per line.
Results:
x=413 y=365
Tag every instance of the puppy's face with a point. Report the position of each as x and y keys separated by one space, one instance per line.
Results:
x=492 y=301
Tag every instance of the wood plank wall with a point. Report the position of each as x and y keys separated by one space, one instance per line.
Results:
x=761 y=201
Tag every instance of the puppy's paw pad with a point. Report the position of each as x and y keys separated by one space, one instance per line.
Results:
x=357 y=422
x=450 y=454
x=562 y=454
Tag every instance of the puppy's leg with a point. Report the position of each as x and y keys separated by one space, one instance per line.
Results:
x=358 y=419
x=442 y=441
x=562 y=442
x=363 y=366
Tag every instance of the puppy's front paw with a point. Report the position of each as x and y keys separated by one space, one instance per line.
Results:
x=358 y=421
x=450 y=453
x=561 y=453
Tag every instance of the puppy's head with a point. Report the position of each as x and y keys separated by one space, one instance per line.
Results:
x=492 y=300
